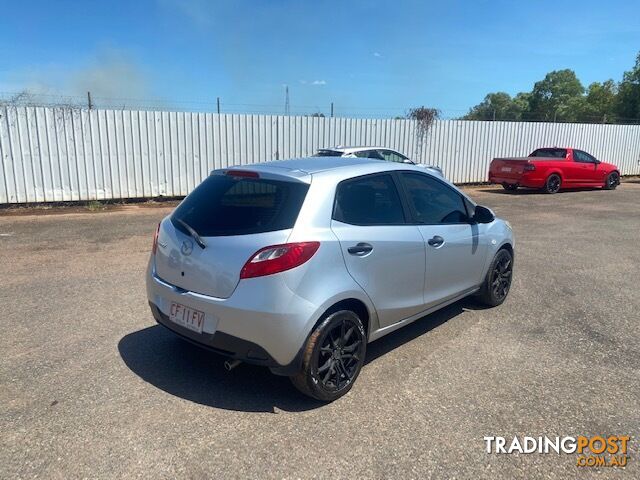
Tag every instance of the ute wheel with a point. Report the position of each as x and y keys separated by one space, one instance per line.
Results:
x=613 y=180
x=332 y=357
x=510 y=187
x=495 y=287
x=552 y=185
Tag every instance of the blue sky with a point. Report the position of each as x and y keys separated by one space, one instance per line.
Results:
x=371 y=58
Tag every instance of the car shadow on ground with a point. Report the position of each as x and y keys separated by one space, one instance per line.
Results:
x=535 y=191
x=182 y=369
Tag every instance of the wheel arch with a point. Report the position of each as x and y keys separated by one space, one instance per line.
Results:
x=506 y=246
x=359 y=306
x=353 y=304
x=555 y=171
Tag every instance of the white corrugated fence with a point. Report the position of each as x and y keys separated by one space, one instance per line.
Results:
x=68 y=154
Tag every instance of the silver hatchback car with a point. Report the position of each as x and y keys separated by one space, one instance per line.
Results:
x=298 y=264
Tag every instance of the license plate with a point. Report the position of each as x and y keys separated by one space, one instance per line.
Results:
x=186 y=317
x=506 y=169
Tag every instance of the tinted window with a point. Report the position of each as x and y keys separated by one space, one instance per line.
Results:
x=370 y=200
x=583 y=157
x=390 y=156
x=224 y=205
x=369 y=154
x=328 y=153
x=433 y=201
x=550 y=153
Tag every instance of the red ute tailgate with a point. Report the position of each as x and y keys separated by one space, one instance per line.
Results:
x=508 y=168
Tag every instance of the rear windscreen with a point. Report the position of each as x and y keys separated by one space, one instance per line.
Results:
x=550 y=153
x=224 y=205
x=328 y=153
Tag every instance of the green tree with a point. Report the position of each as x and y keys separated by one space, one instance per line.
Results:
x=598 y=105
x=497 y=106
x=628 y=98
x=521 y=104
x=552 y=96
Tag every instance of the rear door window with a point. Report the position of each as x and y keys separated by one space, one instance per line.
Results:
x=225 y=205
x=369 y=200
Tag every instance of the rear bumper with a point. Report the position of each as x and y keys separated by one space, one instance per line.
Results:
x=521 y=181
x=263 y=324
x=218 y=342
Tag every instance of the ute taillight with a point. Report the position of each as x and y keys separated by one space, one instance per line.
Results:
x=155 y=240
x=529 y=167
x=278 y=258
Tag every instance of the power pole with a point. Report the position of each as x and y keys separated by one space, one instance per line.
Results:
x=218 y=104
x=331 y=109
x=494 y=114
x=286 y=100
x=89 y=100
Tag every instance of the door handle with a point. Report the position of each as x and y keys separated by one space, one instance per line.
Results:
x=436 y=241
x=360 y=250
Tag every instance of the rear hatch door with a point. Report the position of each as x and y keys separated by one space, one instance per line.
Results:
x=232 y=217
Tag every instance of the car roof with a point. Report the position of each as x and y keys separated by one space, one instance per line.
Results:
x=345 y=167
x=311 y=165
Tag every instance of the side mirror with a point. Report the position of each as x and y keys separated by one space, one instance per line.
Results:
x=597 y=162
x=483 y=215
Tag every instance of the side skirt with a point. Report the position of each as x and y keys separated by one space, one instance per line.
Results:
x=381 y=332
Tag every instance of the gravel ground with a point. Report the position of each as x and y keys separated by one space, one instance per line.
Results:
x=90 y=386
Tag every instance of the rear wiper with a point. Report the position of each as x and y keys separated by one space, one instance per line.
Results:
x=193 y=233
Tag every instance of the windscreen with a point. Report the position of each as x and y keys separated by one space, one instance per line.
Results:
x=550 y=153
x=225 y=205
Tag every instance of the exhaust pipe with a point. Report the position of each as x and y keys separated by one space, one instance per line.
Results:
x=231 y=364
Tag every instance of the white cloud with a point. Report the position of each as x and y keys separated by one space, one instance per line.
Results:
x=377 y=54
x=319 y=82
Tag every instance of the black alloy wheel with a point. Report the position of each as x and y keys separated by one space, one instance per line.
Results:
x=553 y=183
x=332 y=357
x=501 y=276
x=338 y=357
x=613 y=180
x=497 y=282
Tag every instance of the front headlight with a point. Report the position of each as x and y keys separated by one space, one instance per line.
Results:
x=506 y=222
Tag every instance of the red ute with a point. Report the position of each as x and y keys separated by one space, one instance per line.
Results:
x=552 y=169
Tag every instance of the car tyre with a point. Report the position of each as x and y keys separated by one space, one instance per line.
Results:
x=553 y=183
x=497 y=282
x=332 y=357
x=613 y=180
x=510 y=187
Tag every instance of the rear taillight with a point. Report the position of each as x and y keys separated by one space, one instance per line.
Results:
x=529 y=167
x=278 y=258
x=155 y=240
